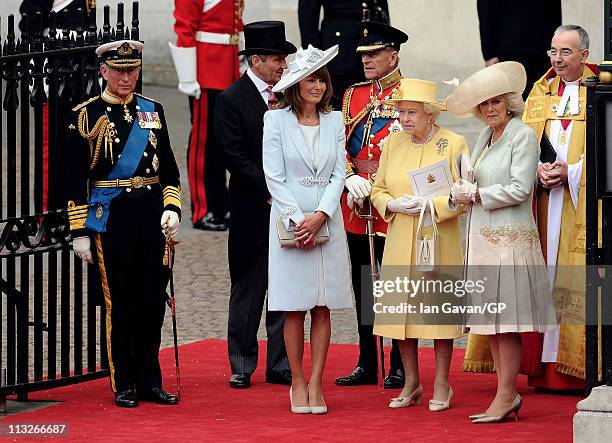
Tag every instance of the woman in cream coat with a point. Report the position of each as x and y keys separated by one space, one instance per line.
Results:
x=503 y=243
x=422 y=142
x=303 y=160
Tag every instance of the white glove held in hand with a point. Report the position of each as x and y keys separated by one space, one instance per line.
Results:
x=358 y=186
x=463 y=191
x=406 y=204
x=82 y=249
x=170 y=220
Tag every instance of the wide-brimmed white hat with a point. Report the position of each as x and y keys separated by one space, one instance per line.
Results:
x=306 y=62
x=500 y=78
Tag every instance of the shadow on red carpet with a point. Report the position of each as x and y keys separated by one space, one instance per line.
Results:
x=210 y=410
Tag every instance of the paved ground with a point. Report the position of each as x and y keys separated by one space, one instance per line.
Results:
x=201 y=271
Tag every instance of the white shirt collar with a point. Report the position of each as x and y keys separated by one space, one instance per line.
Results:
x=259 y=83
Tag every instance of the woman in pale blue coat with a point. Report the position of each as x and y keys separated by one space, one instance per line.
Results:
x=303 y=159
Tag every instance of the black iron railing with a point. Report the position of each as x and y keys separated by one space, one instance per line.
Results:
x=52 y=331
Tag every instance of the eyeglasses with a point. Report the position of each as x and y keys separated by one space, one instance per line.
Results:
x=564 y=53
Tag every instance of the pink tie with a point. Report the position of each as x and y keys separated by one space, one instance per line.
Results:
x=272 y=100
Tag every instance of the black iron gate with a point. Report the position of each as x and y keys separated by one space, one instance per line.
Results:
x=52 y=333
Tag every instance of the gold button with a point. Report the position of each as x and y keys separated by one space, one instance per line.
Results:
x=370 y=156
x=128 y=190
x=364 y=5
x=119 y=156
x=117 y=140
x=145 y=154
x=108 y=108
x=112 y=125
x=137 y=106
x=149 y=187
x=148 y=171
x=337 y=33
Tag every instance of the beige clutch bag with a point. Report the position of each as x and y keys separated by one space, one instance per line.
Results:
x=287 y=238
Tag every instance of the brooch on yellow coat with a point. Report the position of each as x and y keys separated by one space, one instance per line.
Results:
x=441 y=145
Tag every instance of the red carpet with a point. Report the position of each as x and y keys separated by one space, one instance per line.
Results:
x=210 y=410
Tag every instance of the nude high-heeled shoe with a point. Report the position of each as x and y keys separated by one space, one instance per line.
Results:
x=317 y=409
x=514 y=407
x=479 y=415
x=437 y=405
x=297 y=409
x=404 y=402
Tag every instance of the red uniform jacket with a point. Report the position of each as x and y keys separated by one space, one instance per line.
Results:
x=218 y=65
x=362 y=104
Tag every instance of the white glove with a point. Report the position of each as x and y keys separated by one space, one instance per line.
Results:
x=192 y=89
x=170 y=221
x=82 y=249
x=185 y=63
x=358 y=186
x=350 y=201
x=463 y=192
x=406 y=204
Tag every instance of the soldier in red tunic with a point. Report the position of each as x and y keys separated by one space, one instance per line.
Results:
x=206 y=60
x=368 y=122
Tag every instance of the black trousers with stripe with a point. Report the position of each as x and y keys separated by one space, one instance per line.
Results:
x=359 y=251
x=129 y=257
x=247 y=296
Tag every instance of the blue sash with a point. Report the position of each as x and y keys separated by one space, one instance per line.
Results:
x=354 y=145
x=100 y=198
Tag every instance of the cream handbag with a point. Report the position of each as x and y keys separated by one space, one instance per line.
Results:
x=287 y=238
x=427 y=258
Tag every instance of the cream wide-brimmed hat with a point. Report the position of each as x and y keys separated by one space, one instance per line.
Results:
x=415 y=90
x=500 y=78
x=306 y=62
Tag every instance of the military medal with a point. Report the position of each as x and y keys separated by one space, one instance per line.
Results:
x=155 y=162
x=149 y=120
x=153 y=139
x=99 y=212
x=126 y=114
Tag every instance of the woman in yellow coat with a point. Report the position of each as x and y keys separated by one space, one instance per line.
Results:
x=421 y=143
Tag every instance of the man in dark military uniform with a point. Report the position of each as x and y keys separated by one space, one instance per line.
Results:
x=68 y=14
x=368 y=123
x=122 y=191
x=340 y=23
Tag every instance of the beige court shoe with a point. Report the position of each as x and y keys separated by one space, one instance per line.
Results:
x=437 y=405
x=514 y=407
x=404 y=402
x=298 y=409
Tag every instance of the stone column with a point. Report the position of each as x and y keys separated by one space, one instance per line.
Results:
x=593 y=421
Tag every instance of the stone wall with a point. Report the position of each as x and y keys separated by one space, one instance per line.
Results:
x=444 y=39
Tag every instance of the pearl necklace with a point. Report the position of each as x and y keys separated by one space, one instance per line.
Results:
x=429 y=137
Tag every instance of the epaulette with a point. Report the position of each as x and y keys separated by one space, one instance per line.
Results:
x=85 y=103
x=146 y=98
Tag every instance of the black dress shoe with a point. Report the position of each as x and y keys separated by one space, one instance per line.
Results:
x=395 y=379
x=126 y=399
x=357 y=378
x=211 y=223
x=239 y=381
x=279 y=378
x=159 y=396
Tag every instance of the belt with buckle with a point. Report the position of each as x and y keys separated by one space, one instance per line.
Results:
x=134 y=182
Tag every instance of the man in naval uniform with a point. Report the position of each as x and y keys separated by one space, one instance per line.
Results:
x=368 y=122
x=122 y=194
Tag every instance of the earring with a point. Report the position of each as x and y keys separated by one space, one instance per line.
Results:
x=429 y=121
x=508 y=112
